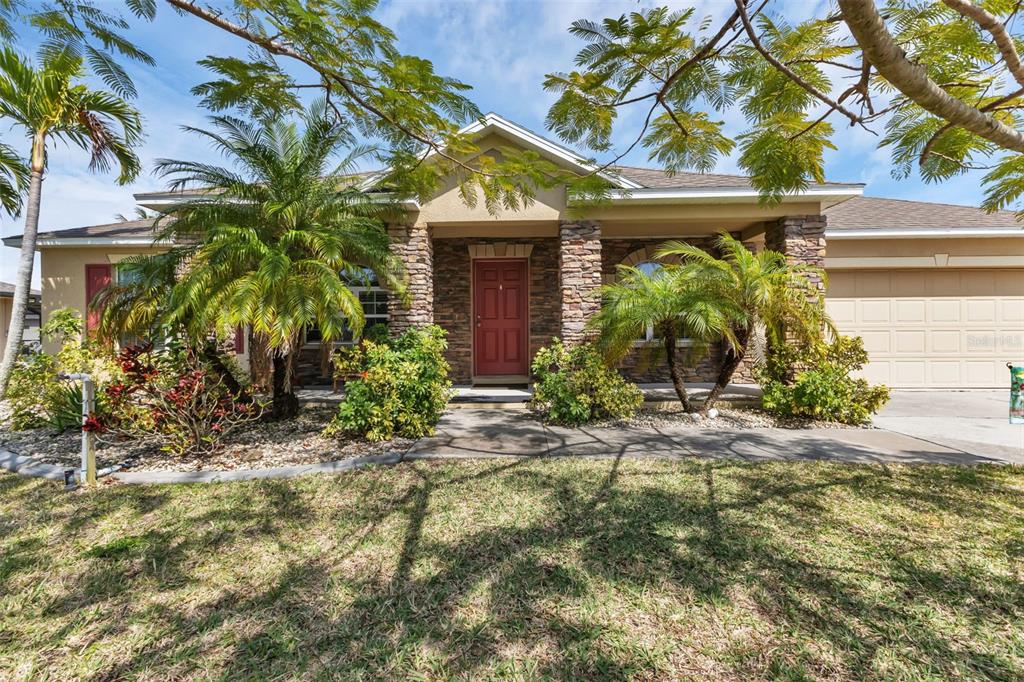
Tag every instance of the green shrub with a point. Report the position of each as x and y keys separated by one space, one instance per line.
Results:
x=575 y=386
x=402 y=388
x=37 y=396
x=815 y=382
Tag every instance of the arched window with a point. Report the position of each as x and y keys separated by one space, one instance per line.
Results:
x=649 y=268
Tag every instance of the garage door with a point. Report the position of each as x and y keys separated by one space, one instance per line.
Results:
x=933 y=328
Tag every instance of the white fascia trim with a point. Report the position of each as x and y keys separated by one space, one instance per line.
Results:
x=682 y=195
x=557 y=150
x=91 y=241
x=929 y=233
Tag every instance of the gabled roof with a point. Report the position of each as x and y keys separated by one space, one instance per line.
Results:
x=877 y=217
x=493 y=123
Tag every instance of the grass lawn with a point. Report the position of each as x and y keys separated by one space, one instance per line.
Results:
x=500 y=569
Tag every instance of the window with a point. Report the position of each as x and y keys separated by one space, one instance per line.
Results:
x=649 y=268
x=373 y=297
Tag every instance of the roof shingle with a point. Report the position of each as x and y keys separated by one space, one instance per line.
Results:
x=867 y=213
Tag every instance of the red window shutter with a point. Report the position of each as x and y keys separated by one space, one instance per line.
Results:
x=239 y=341
x=97 y=276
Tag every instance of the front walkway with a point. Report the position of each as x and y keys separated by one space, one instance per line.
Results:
x=502 y=433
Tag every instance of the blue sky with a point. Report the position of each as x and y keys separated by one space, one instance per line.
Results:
x=502 y=48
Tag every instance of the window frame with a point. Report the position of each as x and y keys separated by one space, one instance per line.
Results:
x=371 y=319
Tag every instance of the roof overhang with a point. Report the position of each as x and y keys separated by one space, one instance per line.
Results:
x=52 y=242
x=493 y=123
x=736 y=195
x=924 y=233
x=167 y=201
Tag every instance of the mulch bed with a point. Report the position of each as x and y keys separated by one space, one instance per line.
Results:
x=262 y=445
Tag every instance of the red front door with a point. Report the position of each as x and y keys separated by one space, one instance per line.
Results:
x=97 y=277
x=500 y=315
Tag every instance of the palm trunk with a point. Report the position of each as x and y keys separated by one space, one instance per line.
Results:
x=732 y=360
x=671 y=353
x=284 y=403
x=23 y=283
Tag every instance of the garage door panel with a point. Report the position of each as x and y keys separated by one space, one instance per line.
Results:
x=877 y=341
x=981 y=310
x=933 y=328
x=945 y=342
x=910 y=311
x=1011 y=311
x=910 y=342
x=875 y=311
x=943 y=311
x=945 y=372
x=842 y=312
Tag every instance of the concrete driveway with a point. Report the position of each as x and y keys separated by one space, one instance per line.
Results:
x=974 y=422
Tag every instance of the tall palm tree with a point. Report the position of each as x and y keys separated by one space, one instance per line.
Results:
x=762 y=292
x=270 y=246
x=50 y=105
x=674 y=305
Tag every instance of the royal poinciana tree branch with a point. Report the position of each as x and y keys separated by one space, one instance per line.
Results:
x=943 y=80
x=366 y=82
x=889 y=60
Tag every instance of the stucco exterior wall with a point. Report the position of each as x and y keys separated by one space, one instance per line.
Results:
x=62 y=271
x=968 y=252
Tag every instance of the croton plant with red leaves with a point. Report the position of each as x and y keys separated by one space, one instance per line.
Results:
x=175 y=399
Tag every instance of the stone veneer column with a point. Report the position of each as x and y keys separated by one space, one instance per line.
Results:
x=579 y=271
x=412 y=244
x=801 y=238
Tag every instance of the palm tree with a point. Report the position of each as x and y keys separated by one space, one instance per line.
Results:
x=762 y=292
x=50 y=105
x=270 y=246
x=670 y=302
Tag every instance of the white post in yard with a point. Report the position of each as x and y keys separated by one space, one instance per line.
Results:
x=87 y=474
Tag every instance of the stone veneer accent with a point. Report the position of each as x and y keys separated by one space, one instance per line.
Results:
x=637 y=366
x=413 y=245
x=801 y=238
x=452 y=293
x=579 y=267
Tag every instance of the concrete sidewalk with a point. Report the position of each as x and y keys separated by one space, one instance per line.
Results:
x=498 y=433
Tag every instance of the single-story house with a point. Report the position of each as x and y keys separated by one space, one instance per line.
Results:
x=31 y=334
x=936 y=291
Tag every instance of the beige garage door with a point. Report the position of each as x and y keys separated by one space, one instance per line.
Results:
x=933 y=328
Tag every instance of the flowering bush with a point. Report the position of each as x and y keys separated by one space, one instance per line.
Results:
x=815 y=382
x=174 y=398
x=397 y=387
x=575 y=386
x=37 y=396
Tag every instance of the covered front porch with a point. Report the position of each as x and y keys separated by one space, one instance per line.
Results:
x=504 y=289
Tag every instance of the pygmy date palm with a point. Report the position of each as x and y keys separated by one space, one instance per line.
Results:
x=269 y=246
x=669 y=301
x=762 y=292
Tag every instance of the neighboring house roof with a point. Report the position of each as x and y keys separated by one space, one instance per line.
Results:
x=7 y=290
x=125 y=231
x=874 y=216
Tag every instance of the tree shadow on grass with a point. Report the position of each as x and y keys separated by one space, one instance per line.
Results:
x=613 y=570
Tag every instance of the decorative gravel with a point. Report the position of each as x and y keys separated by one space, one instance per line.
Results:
x=729 y=417
x=262 y=445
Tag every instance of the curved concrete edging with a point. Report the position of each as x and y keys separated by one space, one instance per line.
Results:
x=30 y=466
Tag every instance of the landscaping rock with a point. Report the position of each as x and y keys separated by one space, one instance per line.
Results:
x=260 y=446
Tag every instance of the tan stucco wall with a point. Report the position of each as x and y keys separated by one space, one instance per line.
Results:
x=924 y=253
x=63 y=276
